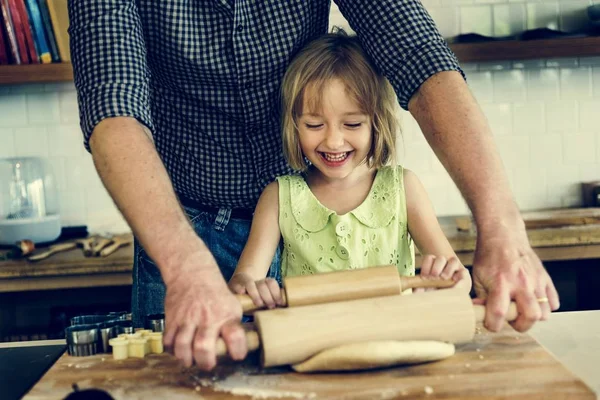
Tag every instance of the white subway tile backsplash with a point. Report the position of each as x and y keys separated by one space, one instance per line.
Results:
x=69 y=110
x=58 y=169
x=529 y=186
x=514 y=151
x=43 y=108
x=588 y=116
x=509 y=19
x=7 y=143
x=541 y=113
x=542 y=15
x=509 y=86
x=562 y=116
x=596 y=81
x=476 y=19
x=13 y=110
x=67 y=141
x=567 y=62
x=447 y=20
x=580 y=148
x=589 y=61
x=481 y=86
x=31 y=141
x=73 y=208
x=543 y=84
x=546 y=150
x=589 y=172
x=575 y=83
x=573 y=15
x=529 y=118
x=499 y=117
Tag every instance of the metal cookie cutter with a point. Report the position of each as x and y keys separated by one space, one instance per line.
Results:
x=82 y=340
x=156 y=322
x=90 y=334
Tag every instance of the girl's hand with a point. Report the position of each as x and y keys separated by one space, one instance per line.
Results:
x=452 y=268
x=264 y=293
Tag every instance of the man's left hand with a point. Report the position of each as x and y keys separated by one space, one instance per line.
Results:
x=506 y=268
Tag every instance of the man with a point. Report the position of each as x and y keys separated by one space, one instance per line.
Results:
x=179 y=105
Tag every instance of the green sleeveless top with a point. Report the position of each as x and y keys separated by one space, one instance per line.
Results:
x=317 y=240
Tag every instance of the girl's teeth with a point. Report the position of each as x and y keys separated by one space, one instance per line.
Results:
x=335 y=157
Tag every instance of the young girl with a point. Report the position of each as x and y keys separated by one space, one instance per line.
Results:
x=348 y=209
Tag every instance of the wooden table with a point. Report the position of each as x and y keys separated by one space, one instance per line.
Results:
x=492 y=366
x=67 y=270
x=72 y=270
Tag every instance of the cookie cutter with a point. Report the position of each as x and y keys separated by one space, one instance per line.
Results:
x=90 y=334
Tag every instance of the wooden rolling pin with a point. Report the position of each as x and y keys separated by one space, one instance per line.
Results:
x=346 y=285
x=291 y=335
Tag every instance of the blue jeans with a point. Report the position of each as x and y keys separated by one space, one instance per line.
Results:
x=224 y=236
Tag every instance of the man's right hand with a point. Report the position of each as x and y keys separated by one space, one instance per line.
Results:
x=198 y=309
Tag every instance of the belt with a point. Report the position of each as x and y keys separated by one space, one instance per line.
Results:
x=236 y=213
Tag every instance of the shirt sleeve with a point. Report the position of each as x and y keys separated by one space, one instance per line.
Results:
x=402 y=39
x=109 y=62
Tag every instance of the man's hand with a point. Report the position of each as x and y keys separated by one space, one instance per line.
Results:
x=198 y=309
x=506 y=268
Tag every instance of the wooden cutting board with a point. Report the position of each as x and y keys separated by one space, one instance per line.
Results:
x=494 y=366
x=546 y=218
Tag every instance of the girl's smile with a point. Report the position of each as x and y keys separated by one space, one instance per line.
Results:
x=336 y=159
x=334 y=133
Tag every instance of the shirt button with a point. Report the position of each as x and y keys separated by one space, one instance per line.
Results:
x=342 y=229
x=342 y=252
x=240 y=28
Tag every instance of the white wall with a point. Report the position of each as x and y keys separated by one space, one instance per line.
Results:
x=543 y=114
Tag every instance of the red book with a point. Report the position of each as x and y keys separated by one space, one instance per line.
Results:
x=17 y=23
x=33 y=55
x=11 y=39
x=3 y=47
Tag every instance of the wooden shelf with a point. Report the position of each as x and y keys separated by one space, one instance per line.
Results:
x=526 y=50
x=35 y=73
x=466 y=52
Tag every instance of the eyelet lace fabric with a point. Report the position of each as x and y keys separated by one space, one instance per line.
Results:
x=317 y=240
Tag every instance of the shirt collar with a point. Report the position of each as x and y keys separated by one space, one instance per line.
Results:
x=376 y=211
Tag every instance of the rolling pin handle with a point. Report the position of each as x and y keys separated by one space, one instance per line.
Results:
x=511 y=314
x=252 y=341
x=417 y=281
x=248 y=305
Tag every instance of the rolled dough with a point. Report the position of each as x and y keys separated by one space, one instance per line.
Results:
x=375 y=354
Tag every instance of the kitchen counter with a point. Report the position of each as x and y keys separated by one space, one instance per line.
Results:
x=572 y=337
x=579 y=240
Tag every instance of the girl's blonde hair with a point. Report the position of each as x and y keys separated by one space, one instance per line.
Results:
x=337 y=55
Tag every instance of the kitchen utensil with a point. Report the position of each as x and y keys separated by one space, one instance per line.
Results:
x=156 y=322
x=591 y=191
x=346 y=285
x=28 y=201
x=57 y=248
x=118 y=241
x=82 y=340
x=86 y=246
x=290 y=335
x=100 y=244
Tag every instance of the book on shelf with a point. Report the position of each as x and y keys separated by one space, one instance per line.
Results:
x=37 y=27
x=17 y=25
x=3 y=48
x=48 y=30
x=9 y=31
x=34 y=31
x=59 y=15
x=27 y=32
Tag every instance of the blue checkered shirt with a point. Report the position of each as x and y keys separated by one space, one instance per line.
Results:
x=204 y=76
